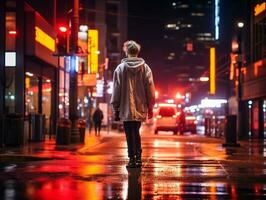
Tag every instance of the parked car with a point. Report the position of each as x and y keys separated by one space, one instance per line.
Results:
x=165 y=118
x=187 y=123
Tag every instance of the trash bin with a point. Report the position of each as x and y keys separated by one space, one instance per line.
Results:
x=231 y=131
x=37 y=127
x=14 y=129
x=63 y=131
x=82 y=129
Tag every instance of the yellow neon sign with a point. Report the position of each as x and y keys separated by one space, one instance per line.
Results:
x=212 y=71
x=93 y=50
x=44 y=39
x=259 y=8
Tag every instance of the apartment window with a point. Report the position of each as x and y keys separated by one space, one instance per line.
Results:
x=259 y=40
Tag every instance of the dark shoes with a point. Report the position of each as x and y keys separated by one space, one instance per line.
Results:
x=138 y=161
x=134 y=162
x=131 y=163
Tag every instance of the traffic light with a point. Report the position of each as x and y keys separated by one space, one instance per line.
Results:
x=62 y=40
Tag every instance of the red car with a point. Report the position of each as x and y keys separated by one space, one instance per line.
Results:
x=187 y=123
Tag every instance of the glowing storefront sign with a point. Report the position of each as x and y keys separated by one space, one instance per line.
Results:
x=10 y=59
x=212 y=103
x=93 y=50
x=217 y=19
x=212 y=71
x=44 y=39
x=259 y=8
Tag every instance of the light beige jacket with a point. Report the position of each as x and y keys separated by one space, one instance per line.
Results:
x=133 y=89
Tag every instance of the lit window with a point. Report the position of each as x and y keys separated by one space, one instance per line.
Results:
x=204 y=34
x=197 y=14
x=10 y=59
x=170 y=26
x=183 y=6
x=172 y=54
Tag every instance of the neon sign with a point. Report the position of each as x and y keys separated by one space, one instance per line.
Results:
x=212 y=71
x=217 y=19
x=44 y=39
x=259 y=8
x=93 y=50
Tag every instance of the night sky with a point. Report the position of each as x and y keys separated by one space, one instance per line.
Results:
x=146 y=20
x=145 y=25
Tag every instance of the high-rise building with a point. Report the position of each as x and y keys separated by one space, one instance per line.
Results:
x=191 y=29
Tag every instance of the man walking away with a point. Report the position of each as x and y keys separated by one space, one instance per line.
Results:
x=97 y=119
x=133 y=98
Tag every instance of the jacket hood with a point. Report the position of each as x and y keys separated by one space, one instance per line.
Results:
x=133 y=64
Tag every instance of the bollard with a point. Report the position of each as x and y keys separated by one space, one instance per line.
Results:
x=14 y=129
x=63 y=131
x=82 y=129
x=207 y=124
x=231 y=132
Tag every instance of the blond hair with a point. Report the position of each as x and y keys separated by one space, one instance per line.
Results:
x=131 y=48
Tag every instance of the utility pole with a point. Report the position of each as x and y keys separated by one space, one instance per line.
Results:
x=73 y=89
x=240 y=26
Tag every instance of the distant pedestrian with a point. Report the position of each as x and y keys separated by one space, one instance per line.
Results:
x=133 y=98
x=90 y=121
x=97 y=119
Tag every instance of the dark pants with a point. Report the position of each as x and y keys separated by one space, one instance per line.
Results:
x=97 y=126
x=133 y=137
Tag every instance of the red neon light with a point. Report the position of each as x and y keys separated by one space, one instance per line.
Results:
x=12 y=33
x=62 y=29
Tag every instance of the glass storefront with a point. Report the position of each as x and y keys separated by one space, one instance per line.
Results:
x=64 y=89
x=10 y=66
x=46 y=103
x=31 y=93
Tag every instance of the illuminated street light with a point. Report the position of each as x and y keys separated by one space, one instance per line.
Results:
x=178 y=96
x=83 y=28
x=240 y=24
x=156 y=94
x=204 y=79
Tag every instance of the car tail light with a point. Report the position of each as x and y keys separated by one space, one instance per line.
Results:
x=158 y=116
x=190 y=118
x=195 y=122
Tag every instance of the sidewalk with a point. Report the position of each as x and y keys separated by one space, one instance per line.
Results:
x=48 y=149
x=189 y=166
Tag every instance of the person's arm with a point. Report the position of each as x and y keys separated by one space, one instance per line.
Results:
x=115 y=98
x=150 y=91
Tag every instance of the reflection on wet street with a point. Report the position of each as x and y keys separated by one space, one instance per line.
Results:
x=174 y=167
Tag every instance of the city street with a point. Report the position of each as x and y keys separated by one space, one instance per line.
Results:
x=174 y=167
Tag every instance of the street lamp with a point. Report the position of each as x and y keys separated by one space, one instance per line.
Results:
x=240 y=26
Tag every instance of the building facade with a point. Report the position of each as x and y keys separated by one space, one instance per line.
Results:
x=34 y=79
x=254 y=75
x=191 y=30
x=29 y=79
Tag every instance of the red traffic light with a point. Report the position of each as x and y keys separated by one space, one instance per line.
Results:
x=62 y=29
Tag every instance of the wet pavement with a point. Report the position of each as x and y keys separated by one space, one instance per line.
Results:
x=174 y=167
